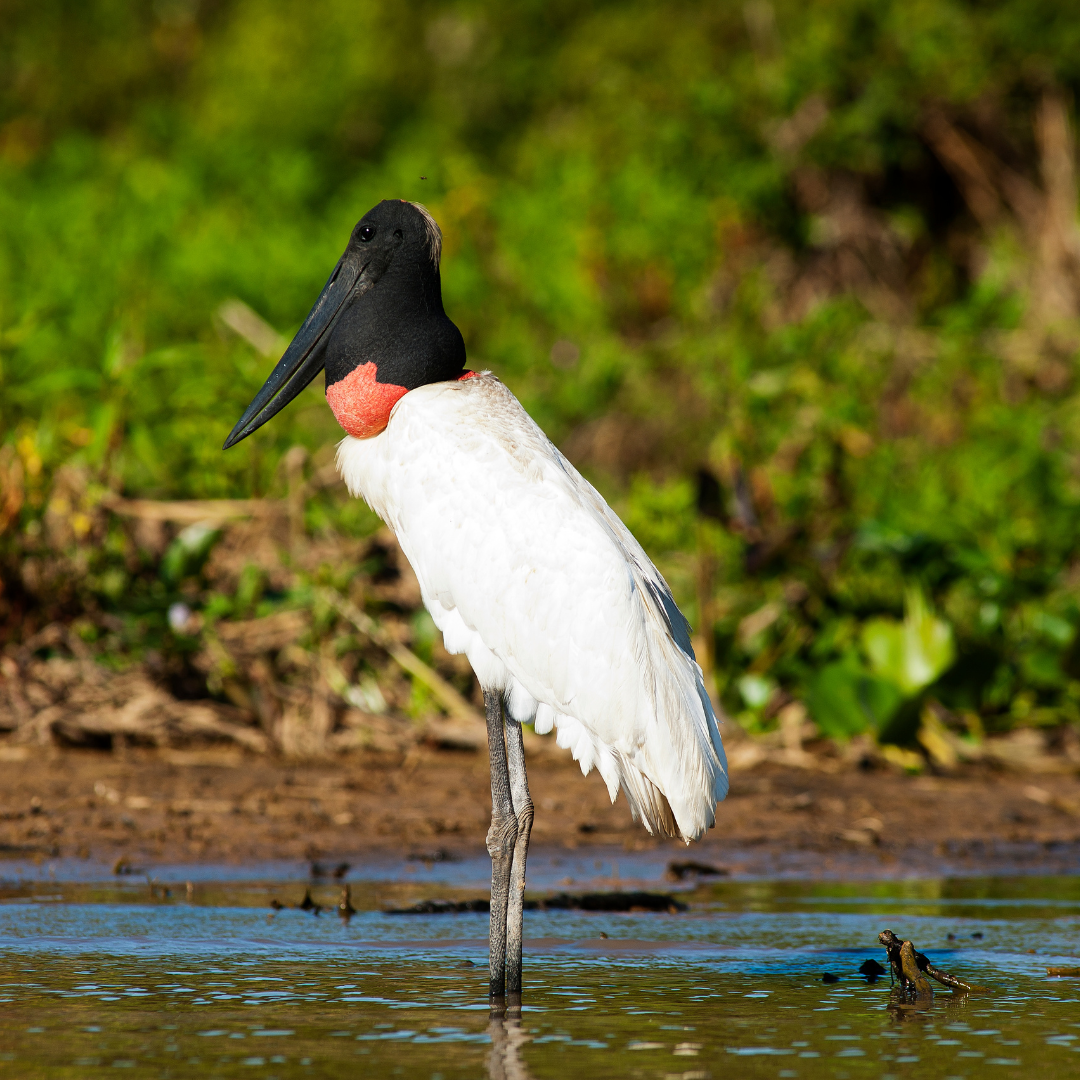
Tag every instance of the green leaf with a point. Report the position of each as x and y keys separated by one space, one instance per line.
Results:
x=755 y=690
x=845 y=699
x=187 y=553
x=1042 y=668
x=911 y=654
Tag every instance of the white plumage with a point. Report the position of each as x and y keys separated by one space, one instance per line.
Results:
x=527 y=571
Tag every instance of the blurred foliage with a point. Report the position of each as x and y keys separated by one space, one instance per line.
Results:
x=796 y=284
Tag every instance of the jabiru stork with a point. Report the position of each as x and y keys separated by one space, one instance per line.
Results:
x=523 y=566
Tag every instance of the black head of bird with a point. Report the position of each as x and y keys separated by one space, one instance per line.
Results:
x=378 y=327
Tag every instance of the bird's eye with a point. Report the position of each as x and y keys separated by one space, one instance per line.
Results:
x=399 y=234
x=366 y=233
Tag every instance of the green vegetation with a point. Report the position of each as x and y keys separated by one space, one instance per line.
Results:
x=796 y=284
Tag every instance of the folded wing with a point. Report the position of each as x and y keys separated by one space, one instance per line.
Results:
x=526 y=569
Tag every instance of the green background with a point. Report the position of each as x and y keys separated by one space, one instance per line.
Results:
x=792 y=282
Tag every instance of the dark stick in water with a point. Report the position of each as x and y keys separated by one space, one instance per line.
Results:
x=910 y=974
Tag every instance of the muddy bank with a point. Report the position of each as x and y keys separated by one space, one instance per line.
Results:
x=229 y=807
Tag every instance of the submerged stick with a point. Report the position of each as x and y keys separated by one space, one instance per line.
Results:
x=944 y=977
x=908 y=966
x=892 y=950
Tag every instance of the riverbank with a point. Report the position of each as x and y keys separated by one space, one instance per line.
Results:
x=154 y=807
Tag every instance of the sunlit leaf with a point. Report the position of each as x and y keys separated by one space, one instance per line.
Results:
x=845 y=699
x=913 y=653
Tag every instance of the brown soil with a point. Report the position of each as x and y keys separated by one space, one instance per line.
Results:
x=168 y=806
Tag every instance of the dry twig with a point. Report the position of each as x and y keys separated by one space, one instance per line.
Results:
x=440 y=689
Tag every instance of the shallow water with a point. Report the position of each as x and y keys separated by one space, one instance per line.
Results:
x=206 y=982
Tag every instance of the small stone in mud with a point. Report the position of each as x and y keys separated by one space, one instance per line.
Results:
x=829 y=977
x=977 y=936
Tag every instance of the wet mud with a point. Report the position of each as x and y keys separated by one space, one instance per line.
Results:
x=431 y=807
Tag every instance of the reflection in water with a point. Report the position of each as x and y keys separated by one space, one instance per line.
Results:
x=906 y=1006
x=932 y=1008
x=507 y=1039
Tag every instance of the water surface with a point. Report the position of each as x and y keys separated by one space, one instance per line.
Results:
x=96 y=977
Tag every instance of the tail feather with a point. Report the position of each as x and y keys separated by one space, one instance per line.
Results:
x=687 y=760
x=648 y=804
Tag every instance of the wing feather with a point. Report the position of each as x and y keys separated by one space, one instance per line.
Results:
x=527 y=570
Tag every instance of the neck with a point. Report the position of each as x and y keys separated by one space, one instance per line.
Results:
x=393 y=338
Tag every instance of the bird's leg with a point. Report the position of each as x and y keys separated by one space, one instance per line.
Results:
x=523 y=810
x=501 y=837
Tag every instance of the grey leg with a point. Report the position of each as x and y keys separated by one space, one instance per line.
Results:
x=523 y=810
x=501 y=838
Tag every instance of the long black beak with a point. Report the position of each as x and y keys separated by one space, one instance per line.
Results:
x=304 y=357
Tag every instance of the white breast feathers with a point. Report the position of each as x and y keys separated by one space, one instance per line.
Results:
x=527 y=571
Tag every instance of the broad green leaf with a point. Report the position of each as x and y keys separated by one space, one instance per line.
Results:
x=844 y=699
x=755 y=690
x=913 y=653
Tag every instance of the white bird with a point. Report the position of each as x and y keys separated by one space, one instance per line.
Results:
x=523 y=566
